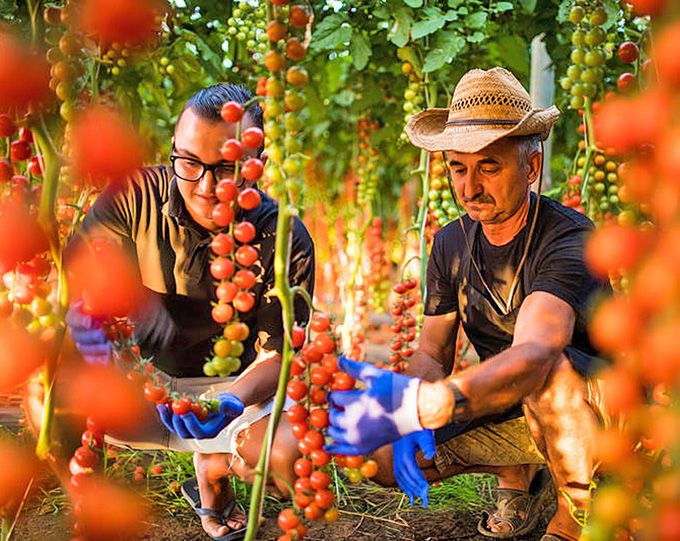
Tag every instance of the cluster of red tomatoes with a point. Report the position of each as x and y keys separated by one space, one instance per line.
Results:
x=378 y=268
x=22 y=187
x=315 y=371
x=234 y=267
x=404 y=326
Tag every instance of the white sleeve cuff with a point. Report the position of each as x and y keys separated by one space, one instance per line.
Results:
x=406 y=415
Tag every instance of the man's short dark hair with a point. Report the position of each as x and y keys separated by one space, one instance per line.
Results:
x=207 y=102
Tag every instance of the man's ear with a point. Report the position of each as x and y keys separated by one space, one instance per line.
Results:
x=534 y=165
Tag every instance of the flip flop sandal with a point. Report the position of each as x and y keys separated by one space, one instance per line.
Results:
x=519 y=509
x=190 y=492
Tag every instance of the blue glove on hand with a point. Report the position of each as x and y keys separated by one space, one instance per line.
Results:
x=88 y=335
x=188 y=426
x=363 y=421
x=406 y=470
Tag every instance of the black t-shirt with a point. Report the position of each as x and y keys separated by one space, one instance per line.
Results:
x=147 y=215
x=555 y=264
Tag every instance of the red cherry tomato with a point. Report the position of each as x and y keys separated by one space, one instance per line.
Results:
x=249 y=198
x=320 y=322
x=245 y=279
x=320 y=376
x=302 y=467
x=244 y=232
x=7 y=126
x=297 y=368
x=302 y=484
x=153 y=393
x=232 y=150
x=288 y=519
x=626 y=83
x=36 y=165
x=298 y=430
x=223 y=214
x=85 y=457
x=222 y=244
x=303 y=499
x=314 y=439
x=319 y=480
x=253 y=137
x=221 y=268
x=222 y=313
x=330 y=363
x=312 y=354
x=226 y=190
x=628 y=52
x=342 y=381
x=19 y=151
x=317 y=395
x=318 y=418
x=320 y=458
x=232 y=111
x=298 y=16
x=252 y=170
x=325 y=343
x=181 y=406
x=324 y=498
x=298 y=336
x=296 y=389
x=26 y=134
x=297 y=413
x=313 y=511
x=6 y=171
x=244 y=301
x=246 y=255
x=226 y=291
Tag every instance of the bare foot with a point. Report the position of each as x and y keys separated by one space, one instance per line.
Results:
x=212 y=473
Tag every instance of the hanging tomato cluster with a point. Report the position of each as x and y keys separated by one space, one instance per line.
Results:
x=313 y=373
x=284 y=97
x=233 y=266
x=377 y=276
x=367 y=163
x=440 y=201
x=404 y=326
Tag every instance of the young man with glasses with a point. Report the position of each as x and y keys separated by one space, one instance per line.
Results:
x=163 y=216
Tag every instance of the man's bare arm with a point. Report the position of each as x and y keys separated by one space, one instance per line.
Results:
x=433 y=360
x=544 y=327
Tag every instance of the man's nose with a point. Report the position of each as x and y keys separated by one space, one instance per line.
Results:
x=206 y=184
x=472 y=187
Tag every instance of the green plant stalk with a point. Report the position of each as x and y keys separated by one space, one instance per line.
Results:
x=421 y=221
x=47 y=220
x=590 y=150
x=285 y=295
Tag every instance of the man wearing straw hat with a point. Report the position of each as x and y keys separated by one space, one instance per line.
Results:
x=512 y=271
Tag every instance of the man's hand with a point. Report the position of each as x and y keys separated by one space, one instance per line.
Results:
x=405 y=467
x=88 y=335
x=363 y=421
x=187 y=426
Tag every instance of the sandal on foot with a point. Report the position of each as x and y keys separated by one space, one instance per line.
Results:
x=190 y=492
x=519 y=509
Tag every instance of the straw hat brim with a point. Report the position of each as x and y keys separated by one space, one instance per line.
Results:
x=428 y=130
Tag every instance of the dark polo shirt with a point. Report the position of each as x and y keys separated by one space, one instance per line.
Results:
x=147 y=215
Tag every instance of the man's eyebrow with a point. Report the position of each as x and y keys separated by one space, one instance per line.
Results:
x=483 y=161
x=193 y=156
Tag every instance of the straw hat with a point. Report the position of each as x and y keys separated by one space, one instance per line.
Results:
x=486 y=106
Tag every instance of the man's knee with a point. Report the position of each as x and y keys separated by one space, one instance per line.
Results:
x=562 y=390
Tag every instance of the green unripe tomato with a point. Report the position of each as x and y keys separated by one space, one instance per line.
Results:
x=574 y=72
x=592 y=75
x=170 y=69
x=595 y=57
x=578 y=37
x=565 y=83
x=164 y=61
x=589 y=90
x=220 y=364
x=577 y=56
x=599 y=187
x=577 y=90
x=236 y=348
x=596 y=36
x=234 y=364
x=576 y=14
x=576 y=102
x=209 y=369
x=598 y=16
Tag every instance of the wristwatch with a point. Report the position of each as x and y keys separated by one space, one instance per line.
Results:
x=460 y=402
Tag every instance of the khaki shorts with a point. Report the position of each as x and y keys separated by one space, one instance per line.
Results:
x=493 y=444
x=157 y=437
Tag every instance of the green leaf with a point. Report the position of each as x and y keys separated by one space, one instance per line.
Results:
x=528 y=5
x=399 y=33
x=612 y=9
x=414 y=3
x=563 y=11
x=8 y=7
x=514 y=52
x=213 y=60
x=476 y=19
x=455 y=3
x=446 y=47
x=360 y=49
x=503 y=6
x=344 y=98
x=451 y=15
x=434 y=21
x=477 y=37
x=331 y=32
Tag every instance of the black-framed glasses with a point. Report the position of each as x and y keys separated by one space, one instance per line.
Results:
x=192 y=170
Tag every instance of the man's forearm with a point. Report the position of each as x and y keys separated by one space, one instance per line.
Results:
x=259 y=381
x=492 y=387
x=425 y=366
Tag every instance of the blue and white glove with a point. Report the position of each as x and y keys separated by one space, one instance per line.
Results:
x=187 y=426
x=88 y=335
x=363 y=421
x=406 y=470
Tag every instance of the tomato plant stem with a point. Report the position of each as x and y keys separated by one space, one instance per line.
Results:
x=284 y=228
